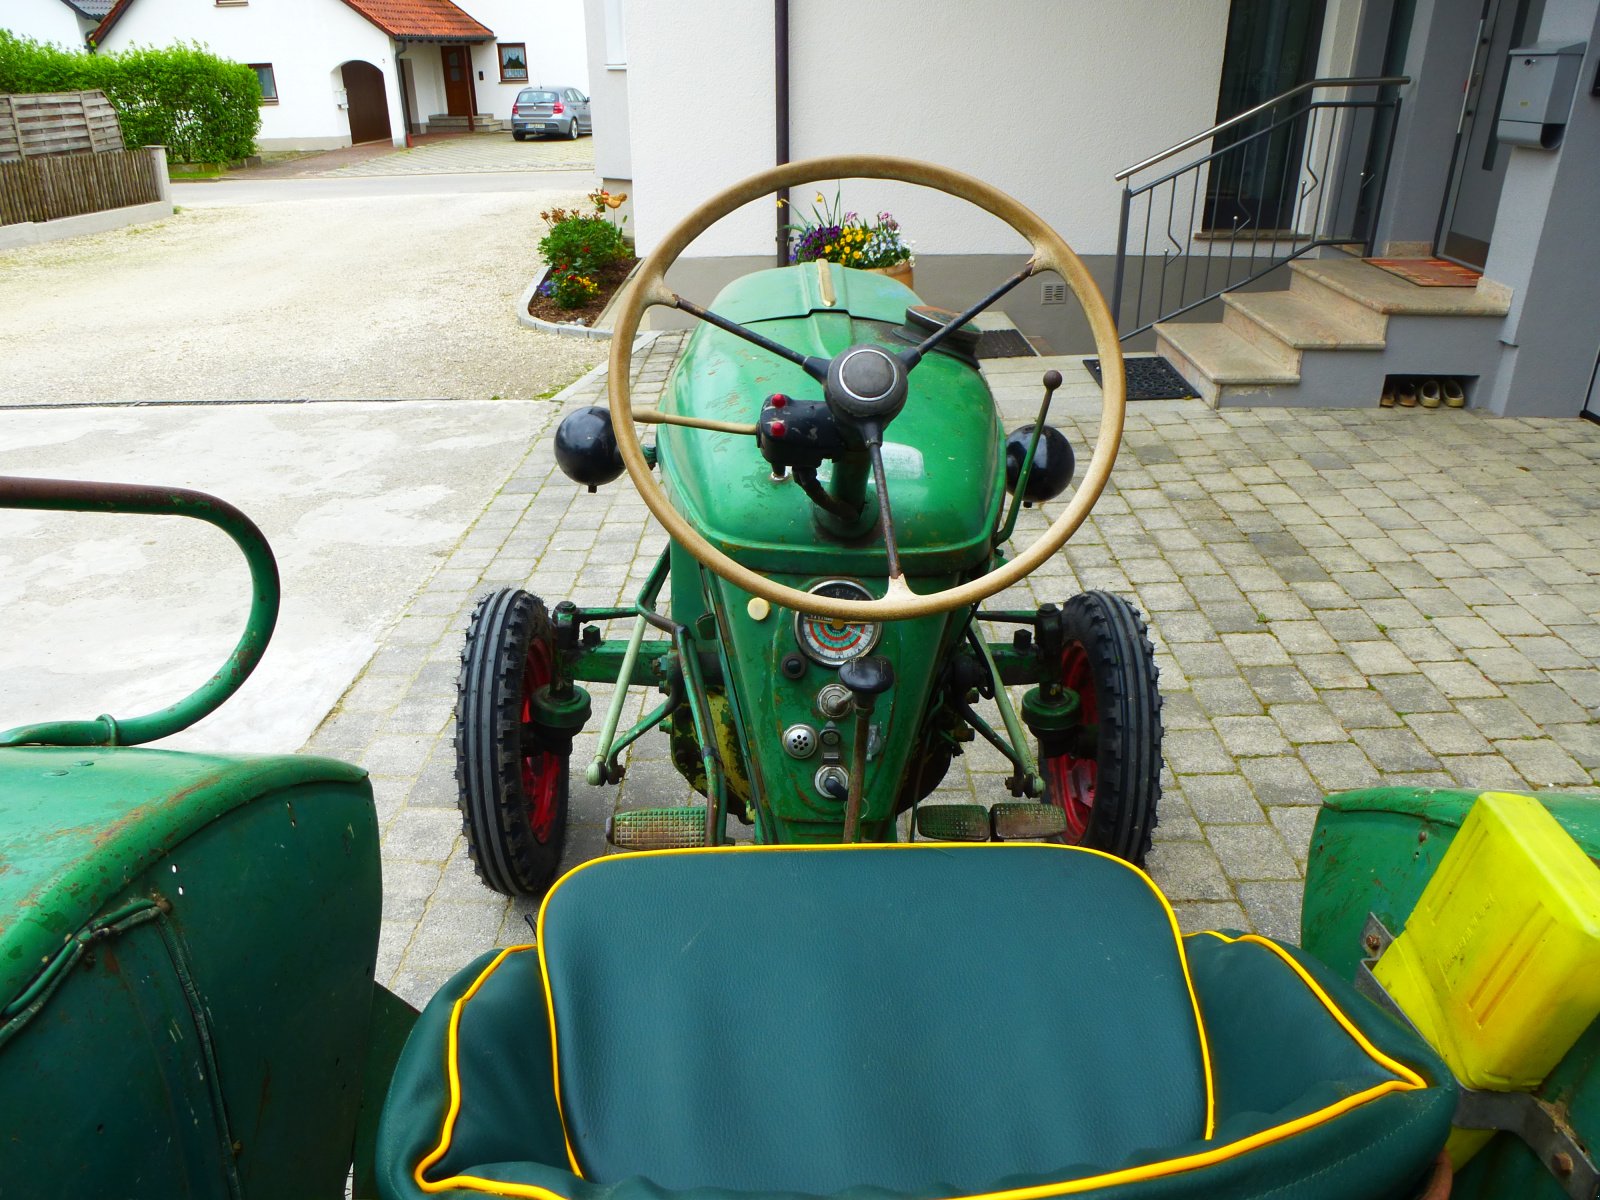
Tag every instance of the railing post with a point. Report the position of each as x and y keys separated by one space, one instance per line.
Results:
x=1122 y=258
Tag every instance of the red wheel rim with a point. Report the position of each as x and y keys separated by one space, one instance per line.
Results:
x=541 y=770
x=1071 y=780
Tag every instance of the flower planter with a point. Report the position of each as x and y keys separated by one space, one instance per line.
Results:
x=900 y=271
x=600 y=330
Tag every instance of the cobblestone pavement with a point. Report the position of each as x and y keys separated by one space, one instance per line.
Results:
x=472 y=154
x=1338 y=599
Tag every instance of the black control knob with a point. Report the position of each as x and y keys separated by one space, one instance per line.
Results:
x=867 y=679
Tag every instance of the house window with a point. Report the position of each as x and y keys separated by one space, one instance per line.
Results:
x=513 y=62
x=269 y=85
x=616 y=39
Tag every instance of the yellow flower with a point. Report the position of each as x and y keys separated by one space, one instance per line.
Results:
x=820 y=200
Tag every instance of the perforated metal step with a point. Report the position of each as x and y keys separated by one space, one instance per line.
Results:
x=953 y=822
x=1023 y=822
x=657 y=828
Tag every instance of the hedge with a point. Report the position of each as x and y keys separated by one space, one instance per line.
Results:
x=200 y=107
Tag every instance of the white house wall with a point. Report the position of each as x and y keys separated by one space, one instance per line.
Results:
x=608 y=91
x=306 y=41
x=47 y=21
x=551 y=29
x=1046 y=99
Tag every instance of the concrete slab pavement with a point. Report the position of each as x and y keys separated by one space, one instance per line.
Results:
x=361 y=502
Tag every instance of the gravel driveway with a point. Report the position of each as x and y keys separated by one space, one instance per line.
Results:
x=403 y=295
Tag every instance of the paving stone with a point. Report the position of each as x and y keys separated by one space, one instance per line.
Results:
x=1255 y=649
x=1295 y=824
x=1273 y=909
x=1220 y=799
x=1251 y=852
x=1545 y=703
x=1358 y=708
x=1251 y=736
x=1330 y=671
x=1339 y=766
x=1226 y=696
x=421 y=834
x=1485 y=771
x=1196 y=916
x=1395 y=750
x=1411 y=694
x=1196 y=752
x=1279 y=685
x=1188 y=871
x=1307 y=723
x=1542 y=763
x=1281 y=780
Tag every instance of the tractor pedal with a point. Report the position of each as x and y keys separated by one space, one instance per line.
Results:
x=953 y=822
x=1024 y=822
x=674 y=828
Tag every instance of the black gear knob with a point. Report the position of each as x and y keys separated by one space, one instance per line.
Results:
x=867 y=679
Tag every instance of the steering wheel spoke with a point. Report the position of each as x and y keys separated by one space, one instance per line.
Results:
x=910 y=358
x=815 y=367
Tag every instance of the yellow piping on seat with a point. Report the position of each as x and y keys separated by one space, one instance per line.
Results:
x=1408 y=1080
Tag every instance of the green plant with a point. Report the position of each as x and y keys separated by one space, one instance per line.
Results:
x=200 y=107
x=579 y=247
x=846 y=239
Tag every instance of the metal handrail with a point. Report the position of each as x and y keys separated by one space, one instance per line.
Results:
x=75 y=495
x=1265 y=105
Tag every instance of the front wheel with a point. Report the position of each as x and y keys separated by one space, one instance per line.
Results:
x=1105 y=772
x=512 y=776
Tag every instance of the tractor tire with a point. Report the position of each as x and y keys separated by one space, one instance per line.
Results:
x=512 y=784
x=1109 y=794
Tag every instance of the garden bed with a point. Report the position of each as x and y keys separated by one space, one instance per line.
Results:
x=610 y=278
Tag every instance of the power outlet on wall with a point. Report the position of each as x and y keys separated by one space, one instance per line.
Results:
x=1054 y=293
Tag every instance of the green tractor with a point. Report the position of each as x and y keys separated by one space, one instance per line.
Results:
x=188 y=941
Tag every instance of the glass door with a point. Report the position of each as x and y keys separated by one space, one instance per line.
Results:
x=1271 y=47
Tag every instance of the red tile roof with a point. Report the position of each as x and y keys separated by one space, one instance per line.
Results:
x=419 y=20
x=431 y=20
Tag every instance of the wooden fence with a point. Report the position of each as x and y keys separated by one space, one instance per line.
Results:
x=67 y=185
x=35 y=126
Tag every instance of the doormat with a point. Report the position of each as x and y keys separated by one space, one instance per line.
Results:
x=1429 y=272
x=1149 y=379
x=1004 y=343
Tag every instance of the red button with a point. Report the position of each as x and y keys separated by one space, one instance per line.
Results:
x=779 y=400
x=778 y=428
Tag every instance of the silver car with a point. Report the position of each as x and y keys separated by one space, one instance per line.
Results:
x=559 y=111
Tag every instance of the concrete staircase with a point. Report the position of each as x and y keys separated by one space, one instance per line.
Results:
x=443 y=123
x=1330 y=340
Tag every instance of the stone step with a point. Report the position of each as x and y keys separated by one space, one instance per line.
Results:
x=1221 y=365
x=1380 y=292
x=442 y=123
x=1286 y=323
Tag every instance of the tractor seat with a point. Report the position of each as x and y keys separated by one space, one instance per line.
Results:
x=924 y=1021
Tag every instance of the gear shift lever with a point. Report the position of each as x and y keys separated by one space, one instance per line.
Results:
x=867 y=679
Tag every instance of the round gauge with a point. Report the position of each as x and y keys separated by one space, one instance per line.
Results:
x=834 y=643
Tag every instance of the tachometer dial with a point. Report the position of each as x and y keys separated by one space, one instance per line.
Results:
x=834 y=643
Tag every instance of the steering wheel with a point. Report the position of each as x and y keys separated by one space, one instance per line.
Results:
x=865 y=385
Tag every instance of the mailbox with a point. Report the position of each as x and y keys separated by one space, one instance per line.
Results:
x=1540 y=82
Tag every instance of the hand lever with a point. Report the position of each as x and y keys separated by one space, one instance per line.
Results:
x=867 y=679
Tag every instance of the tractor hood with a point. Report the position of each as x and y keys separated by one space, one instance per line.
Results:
x=941 y=454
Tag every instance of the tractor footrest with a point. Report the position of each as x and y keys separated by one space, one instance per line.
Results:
x=1014 y=822
x=674 y=828
x=953 y=822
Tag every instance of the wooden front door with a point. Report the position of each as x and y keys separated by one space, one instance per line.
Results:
x=458 y=81
x=369 y=107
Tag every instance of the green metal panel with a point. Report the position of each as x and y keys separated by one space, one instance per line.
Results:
x=78 y=825
x=1374 y=851
x=942 y=454
x=214 y=1045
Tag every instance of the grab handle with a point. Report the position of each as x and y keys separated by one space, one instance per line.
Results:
x=72 y=495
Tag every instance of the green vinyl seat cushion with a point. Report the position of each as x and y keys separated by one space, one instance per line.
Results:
x=923 y=1021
